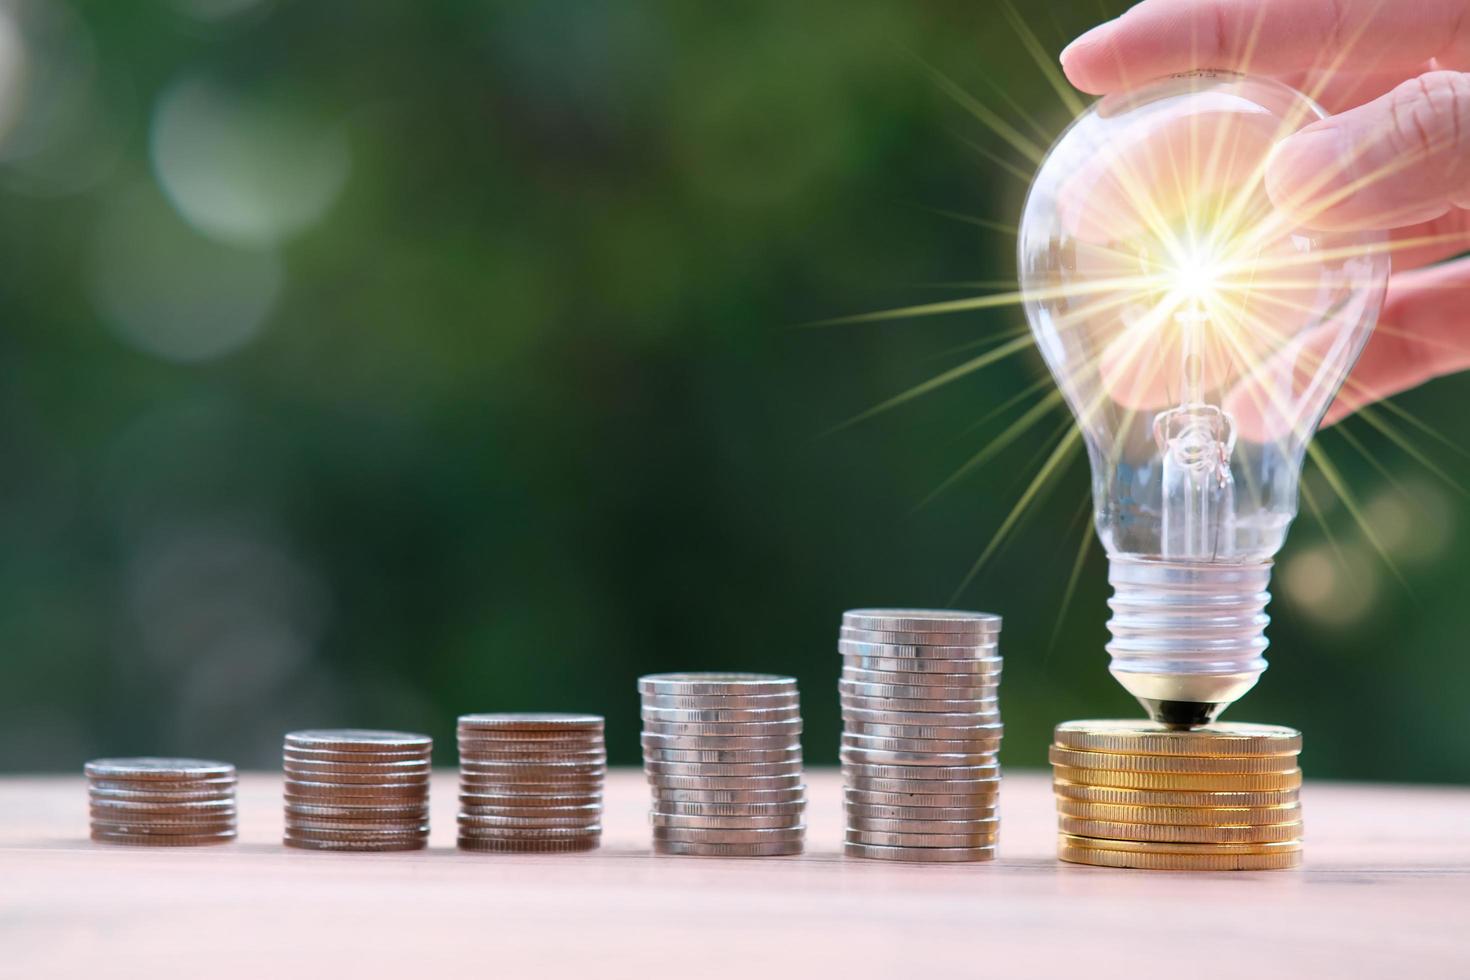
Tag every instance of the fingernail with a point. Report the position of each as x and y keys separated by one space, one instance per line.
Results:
x=1093 y=38
x=1306 y=172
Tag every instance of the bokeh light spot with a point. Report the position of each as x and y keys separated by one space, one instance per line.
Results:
x=243 y=171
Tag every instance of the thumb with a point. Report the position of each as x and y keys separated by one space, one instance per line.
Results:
x=1398 y=160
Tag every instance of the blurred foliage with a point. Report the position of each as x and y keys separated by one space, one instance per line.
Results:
x=516 y=403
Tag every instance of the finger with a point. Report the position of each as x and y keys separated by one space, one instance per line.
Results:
x=1432 y=241
x=1424 y=333
x=1338 y=91
x=1401 y=159
x=1161 y=37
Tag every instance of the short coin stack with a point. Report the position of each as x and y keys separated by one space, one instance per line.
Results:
x=357 y=790
x=161 y=802
x=722 y=753
x=531 y=782
x=1135 y=794
x=921 y=733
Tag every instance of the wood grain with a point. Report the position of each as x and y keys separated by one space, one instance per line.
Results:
x=1386 y=892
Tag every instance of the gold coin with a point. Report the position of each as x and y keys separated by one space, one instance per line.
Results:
x=1165 y=847
x=1086 y=793
x=1180 y=833
x=1201 y=816
x=1139 y=762
x=1152 y=738
x=1180 y=862
x=1216 y=782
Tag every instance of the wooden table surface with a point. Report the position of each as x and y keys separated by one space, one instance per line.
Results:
x=1385 y=892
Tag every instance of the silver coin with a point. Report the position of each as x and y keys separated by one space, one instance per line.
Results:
x=577 y=822
x=887 y=839
x=948 y=719
x=973 y=685
x=669 y=794
x=940 y=660
x=922 y=620
x=411 y=813
x=891 y=743
x=925 y=855
x=703 y=849
x=882 y=757
x=311 y=788
x=911 y=692
x=901 y=671
x=741 y=715
x=690 y=743
x=960 y=733
x=159 y=840
x=918 y=705
x=526 y=801
x=668 y=808
x=588 y=791
x=927 y=773
x=358 y=778
x=356 y=828
x=989 y=826
x=732 y=836
x=416 y=766
x=723 y=768
x=139 y=828
x=152 y=768
x=776 y=822
x=495 y=736
x=876 y=798
x=725 y=782
x=792 y=753
x=716 y=682
x=493 y=846
x=531 y=782
x=892 y=638
x=534 y=721
x=112 y=805
x=358 y=740
x=580 y=812
x=940 y=787
x=540 y=749
x=700 y=701
x=876 y=811
x=483 y=832
x=764 y=729
x=405 y=843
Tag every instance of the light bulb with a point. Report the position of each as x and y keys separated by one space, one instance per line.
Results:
x=1198 y=334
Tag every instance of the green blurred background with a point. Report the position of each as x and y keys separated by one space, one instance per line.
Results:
x=368 y=363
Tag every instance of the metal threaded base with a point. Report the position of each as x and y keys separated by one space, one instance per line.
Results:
x=1188 y=638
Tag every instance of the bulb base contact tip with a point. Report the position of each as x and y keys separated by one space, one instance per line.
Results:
x=1188 y=637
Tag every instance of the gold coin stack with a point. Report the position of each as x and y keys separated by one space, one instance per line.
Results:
x=722 y=754
x=161 y=802
x=357 y=790
x=921 y=734
x=1135 y=794
x=531 y=782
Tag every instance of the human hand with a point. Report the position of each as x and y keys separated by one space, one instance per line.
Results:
x=1396 y=157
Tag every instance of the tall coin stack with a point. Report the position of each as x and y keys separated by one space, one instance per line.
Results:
x=722 y=752
x=531 y=782
x=161 y=802
x=921 y=733
x=357 y=790
x=1135 y=794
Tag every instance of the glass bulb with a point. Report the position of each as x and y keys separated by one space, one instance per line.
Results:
x=1198 y=334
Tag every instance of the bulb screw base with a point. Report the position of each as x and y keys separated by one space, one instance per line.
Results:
x=1188 y=637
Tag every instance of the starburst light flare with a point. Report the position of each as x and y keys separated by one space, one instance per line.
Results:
x=1198 y=334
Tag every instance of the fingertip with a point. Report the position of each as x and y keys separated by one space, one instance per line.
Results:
x=1308 y=174
x=1084 y=61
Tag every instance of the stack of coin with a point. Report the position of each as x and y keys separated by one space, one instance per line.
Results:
x=357 y=790
x=1135 y=794
x=531 y=783
x=161 y=802
x=722 y=753
x=921 y=733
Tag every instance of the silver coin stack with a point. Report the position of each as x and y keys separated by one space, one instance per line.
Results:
x=357 y=790
x=531 y=782
x=921 y=733
x=161 y=802
x=722 y=752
